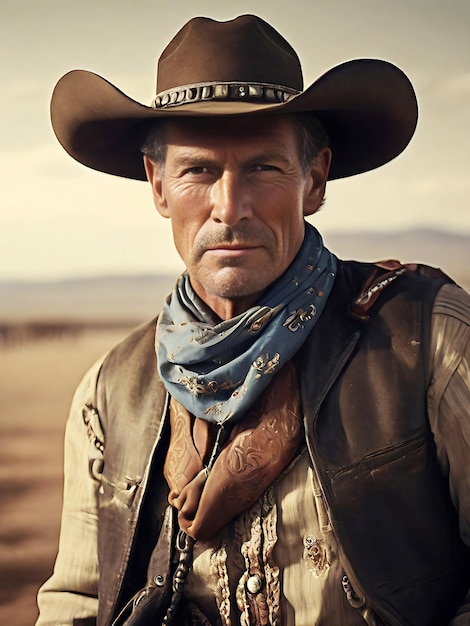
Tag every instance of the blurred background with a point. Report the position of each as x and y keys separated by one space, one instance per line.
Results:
x=84 y=256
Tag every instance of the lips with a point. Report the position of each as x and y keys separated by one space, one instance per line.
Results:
x=231 y=246
x=233 y=250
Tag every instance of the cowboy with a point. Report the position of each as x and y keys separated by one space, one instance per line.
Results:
x=288 y=442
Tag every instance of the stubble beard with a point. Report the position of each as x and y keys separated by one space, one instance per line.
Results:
x=232 y=279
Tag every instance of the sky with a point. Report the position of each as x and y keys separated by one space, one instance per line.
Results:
x=59 y=219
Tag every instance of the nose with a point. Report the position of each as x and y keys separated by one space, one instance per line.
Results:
x=230 y=200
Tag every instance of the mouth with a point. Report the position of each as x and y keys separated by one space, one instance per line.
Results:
x=233 y=249
x=232 y=243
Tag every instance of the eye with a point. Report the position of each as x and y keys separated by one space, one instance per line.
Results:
x=197 y=170
x=264 y=167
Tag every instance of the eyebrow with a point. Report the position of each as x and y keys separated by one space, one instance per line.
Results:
x=264 y=157
x=195 y=160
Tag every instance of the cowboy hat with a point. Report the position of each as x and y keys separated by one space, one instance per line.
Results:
x=239 y=67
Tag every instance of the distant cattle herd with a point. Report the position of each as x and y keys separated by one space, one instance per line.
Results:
x=19 y=333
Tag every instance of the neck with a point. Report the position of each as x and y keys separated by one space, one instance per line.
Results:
x=225 y=308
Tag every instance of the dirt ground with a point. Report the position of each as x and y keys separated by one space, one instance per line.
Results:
x=37 y=380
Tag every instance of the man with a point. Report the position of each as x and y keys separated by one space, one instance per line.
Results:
x=288 y=443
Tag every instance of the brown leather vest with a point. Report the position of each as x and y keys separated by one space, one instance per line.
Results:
x=363 y=388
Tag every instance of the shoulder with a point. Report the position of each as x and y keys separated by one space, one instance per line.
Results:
x=119 y=372
x=354 y=271
x=453 y=302
x=450 y=335
x=370 y=286
x=132 y=363
x=138 y=345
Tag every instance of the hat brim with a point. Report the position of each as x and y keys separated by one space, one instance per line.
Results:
x=367 y=106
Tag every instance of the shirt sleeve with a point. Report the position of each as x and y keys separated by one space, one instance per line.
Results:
x=70 y=596
x=449 y=403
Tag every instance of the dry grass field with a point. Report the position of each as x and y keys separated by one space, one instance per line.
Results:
x=37 y=380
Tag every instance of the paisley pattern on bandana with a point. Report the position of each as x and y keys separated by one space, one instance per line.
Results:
x=218 y=370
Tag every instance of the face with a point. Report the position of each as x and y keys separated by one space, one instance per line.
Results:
x=236 y=194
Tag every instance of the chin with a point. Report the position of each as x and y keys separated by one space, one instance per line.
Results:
x=237 y=285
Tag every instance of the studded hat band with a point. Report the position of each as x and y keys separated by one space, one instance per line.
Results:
x=235 y=91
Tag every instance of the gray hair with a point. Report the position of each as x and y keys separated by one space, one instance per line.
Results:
x=311 y=138
x=154 y=144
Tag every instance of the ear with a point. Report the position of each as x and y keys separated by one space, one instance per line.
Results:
x=155 y=177
x=316 y=182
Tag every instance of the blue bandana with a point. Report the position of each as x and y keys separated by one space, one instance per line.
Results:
x=218 y=371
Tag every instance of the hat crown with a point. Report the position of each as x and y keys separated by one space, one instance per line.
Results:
x=240 y=67
x=245 y=49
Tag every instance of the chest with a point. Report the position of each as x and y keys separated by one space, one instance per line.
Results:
x=278 y=555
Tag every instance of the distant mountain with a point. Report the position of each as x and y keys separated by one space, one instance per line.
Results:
x=137 y=298
x=449 y=251
x=109 y=298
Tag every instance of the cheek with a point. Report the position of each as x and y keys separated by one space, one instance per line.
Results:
x=186 y=233
x=290 y=236
x=181 y=236
x=185 y=225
